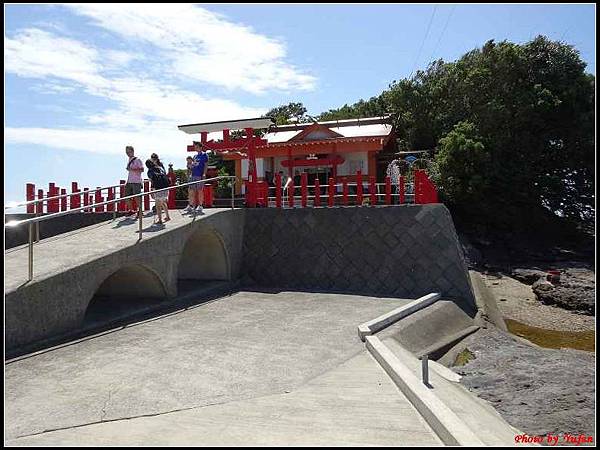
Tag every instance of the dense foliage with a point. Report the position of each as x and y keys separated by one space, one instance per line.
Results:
x=512 y=125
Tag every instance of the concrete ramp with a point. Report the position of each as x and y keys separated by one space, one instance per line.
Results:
x=432 y=330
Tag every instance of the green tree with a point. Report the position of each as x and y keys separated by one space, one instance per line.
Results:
x=532 y=109
x=284 y=113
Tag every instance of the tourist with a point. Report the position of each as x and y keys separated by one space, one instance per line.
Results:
x=199 y=168
x=190 y=206
x=158 y=178
x=134 y=179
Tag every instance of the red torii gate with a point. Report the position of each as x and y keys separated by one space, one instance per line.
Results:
x=248 y=142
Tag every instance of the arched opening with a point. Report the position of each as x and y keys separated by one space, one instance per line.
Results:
x=203 y=261
x=127 y=291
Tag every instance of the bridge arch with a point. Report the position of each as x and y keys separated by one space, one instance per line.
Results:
x=130 y=288
x=204 y=257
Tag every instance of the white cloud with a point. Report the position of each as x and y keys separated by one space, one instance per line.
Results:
x=204 y=46
x=38 y=54
x=185 y=40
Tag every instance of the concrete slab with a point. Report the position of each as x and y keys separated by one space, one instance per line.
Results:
x=245 y=346
x=354 y=404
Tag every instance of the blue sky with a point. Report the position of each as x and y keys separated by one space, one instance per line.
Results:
x=81 y=82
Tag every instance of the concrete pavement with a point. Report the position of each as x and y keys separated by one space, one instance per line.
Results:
x=252 y=368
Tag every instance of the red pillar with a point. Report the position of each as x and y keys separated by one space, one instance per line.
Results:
x=303 y=188
x=122 y=206
x=171 y=204
x=39 y=206
x=345 y=191
x=291 y=194
x=331 y=192
x=98 y=199
x=111 y=196
x=52 y=205
x=75 y=199
x=30 y=196
x=147 y=196
x=359 y=188
x=401 y=190
x=278 y=190
x=317 y=193
x=63 y=201
x=86 y=198
x=388 y=191
x=372 y=189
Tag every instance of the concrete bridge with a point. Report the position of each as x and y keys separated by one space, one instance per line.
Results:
x=281 y=349
x=402 y=252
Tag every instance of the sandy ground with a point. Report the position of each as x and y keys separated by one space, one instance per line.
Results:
x=517 y=301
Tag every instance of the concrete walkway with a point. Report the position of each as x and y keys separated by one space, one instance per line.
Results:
x=78 y=247
x=253 y=368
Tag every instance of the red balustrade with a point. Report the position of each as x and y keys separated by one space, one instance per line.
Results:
x=30 y=196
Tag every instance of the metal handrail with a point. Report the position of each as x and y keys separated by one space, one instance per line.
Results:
x=36 y=220
x=72 y=194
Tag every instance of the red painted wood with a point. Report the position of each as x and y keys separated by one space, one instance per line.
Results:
x=75 y=200
x=359 y=188
x=331 y=192
x=86 y=198
x=39 y=206
x=30 y=196
x=110 y=196
x=122 y=206
x=63 y=201
x=147 y=196
x=304 y=189
x=313 y=162
x=317 y=193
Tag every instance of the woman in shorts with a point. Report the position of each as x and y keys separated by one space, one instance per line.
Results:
x=158 y=178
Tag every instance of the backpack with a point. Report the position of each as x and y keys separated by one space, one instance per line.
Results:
x=160 y=180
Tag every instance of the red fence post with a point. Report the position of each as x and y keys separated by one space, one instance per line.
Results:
x=171 y=204
x=317 y=193
x=98 y=199
x=401 y=189
x=303 y=188
x=110 y=196
x=278 y=190
x=121 y=206
x=359 y=188
x=291 y=194
x=86 y=198
x=74 y=200
x=30 y=196
x=331 y=192
x=345 y=191
x=388 y=191
x=63 y=201
x=39 y=206
x=51 y=205
x=147 y=196
x=372 y=190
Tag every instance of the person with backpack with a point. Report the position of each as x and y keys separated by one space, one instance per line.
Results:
x=159 y=179
x=134 y=180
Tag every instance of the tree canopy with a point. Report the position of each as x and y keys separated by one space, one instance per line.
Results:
x=513 y=126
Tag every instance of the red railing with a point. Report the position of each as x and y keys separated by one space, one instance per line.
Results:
x=344 y=192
